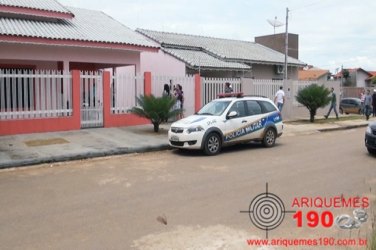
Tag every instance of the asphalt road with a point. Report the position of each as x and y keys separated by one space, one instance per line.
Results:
x=185 y=200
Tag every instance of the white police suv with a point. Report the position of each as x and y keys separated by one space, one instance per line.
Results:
x=227 y=121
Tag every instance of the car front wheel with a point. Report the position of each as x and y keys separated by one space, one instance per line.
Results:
x=371 y=151
x=212 y=144
x=269 y=138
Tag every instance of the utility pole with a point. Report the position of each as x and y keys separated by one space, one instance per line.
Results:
x=341 y=83
x=286 y=43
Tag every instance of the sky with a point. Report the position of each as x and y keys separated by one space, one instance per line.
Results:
x=332 y=33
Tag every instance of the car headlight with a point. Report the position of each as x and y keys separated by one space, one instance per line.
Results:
x=194 y=129
x=369 y=130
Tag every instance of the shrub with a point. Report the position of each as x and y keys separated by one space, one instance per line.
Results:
x=313 y=97
x=156 y=109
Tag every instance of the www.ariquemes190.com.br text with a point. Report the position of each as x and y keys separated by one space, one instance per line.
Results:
x=323 y=241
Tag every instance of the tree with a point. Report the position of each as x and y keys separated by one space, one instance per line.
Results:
x=346 y=76
x=313 y=97
x=373 y=81
x=156 y=109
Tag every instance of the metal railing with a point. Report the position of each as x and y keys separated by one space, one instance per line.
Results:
x=211 y=87
x=125 y=89
x=27 y=94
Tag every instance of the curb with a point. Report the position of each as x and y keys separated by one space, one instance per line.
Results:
x=121 y=151
x=83 y=156
x=342 y=128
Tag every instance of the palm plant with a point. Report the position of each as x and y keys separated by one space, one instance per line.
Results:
x=313 y=97
x=156 y=109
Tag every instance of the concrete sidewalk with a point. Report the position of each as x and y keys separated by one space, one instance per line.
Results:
x=29 y=149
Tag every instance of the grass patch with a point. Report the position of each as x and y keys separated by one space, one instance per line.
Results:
x=322 y=120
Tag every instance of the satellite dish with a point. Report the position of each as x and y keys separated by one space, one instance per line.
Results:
x=275 y=23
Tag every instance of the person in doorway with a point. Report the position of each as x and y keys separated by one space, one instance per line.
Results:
x=228 y=88
x=333 y=104
x=367 y=104
x=279 y=98
x=374 y=102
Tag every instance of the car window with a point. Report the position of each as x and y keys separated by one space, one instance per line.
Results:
x=214 y=108
x=345 y=101
x=355 y=102
x=253 y=107
x=239 y=108
x=267 y=107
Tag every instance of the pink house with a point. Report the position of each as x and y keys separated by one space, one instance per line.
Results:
x=41 y=42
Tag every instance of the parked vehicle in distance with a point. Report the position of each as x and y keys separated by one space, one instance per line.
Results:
x=228 y=121
x=370 y=138
x=350 y=105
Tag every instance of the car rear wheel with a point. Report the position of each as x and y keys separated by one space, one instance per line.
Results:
x=212 y=144
x=371 y=151
x=269 y=138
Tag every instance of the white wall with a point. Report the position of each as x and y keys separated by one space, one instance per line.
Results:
x=291 y=109
x=263 y=71
x=27 y=54
x=161 y=63
x=361 y=79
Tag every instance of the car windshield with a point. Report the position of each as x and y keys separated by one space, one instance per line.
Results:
x=214 y=108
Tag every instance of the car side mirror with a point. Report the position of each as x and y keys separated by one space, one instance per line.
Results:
x=232 y=114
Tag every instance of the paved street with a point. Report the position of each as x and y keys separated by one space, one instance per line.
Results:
x=179 y=200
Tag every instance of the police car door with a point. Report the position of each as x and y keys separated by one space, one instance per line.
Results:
x=256 y=119
x=235 y=126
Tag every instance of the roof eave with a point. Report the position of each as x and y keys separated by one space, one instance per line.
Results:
x=216 y=68
x=76 y=43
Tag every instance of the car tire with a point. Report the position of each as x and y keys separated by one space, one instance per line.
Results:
x=212 y=145
x=269 y=138
x=341 y=111
x=371 y=151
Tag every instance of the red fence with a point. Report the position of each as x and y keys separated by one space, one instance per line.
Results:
x=16 y=118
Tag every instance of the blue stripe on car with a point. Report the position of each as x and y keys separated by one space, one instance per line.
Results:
x=254 y=126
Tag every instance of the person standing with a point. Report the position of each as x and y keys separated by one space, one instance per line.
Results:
x=362 y=97
x=166 y=90
x=374 y=102
x=368 y=104
x=179 y=95
x=279 y=98
x=333 y=105
x=228 y=88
